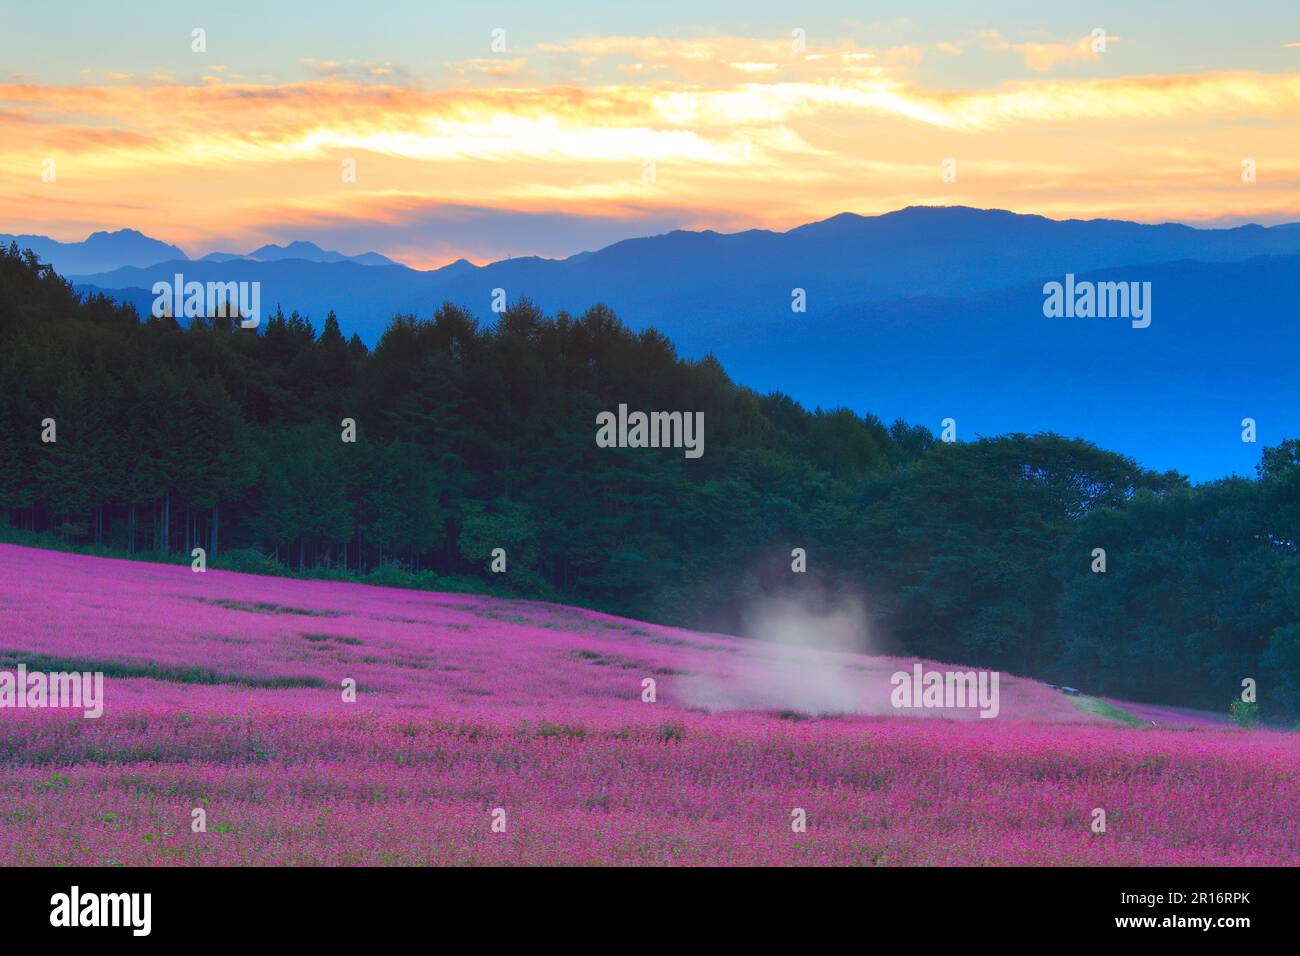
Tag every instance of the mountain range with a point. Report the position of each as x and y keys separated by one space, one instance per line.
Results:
x=308 y=251
x=925 y=313
x=100 y=251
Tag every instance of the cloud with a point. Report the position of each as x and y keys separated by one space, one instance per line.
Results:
x=1046 y=56
x=714 y=59
x=324 y=67
x=1039 y=56
x=498 y=67
x=358 y=70
x=759 y=135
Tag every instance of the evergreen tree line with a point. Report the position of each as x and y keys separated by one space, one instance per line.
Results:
x=473 y=437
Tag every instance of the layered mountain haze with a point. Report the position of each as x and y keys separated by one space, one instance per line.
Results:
x=300 y=250
x=1173 y=395
x=98 y=252
x=926 y=313
x=128 y=248
x=695 y=285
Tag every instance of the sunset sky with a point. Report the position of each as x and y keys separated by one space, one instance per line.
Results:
x=613 y=120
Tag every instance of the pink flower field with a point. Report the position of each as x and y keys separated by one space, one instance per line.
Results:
x=224 y=692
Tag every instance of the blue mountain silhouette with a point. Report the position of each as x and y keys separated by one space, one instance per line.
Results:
x=100 y=251
x=925 y=313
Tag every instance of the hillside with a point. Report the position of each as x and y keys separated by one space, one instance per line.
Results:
x=468 y=437
x=209 y=638
x=222 y=694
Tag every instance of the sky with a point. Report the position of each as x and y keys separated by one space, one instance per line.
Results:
x=429 y=131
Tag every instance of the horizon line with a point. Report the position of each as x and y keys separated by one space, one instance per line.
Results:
x=1223 y=224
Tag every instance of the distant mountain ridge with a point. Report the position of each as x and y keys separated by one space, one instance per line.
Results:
x=694 y=286
x=926 y=313
x=100 y=251
x=307 y=251
x=129 y=248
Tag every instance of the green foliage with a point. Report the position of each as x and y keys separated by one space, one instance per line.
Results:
x=390 y=575
x=249 y=561
x=511 y=526
x=1244 y=713
x=1091 y=705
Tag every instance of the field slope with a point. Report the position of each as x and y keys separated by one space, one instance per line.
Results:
x=224 y=693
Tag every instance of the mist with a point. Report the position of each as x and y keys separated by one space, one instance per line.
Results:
x=805 y=655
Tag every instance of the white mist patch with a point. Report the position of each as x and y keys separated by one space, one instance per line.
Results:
x=802 y=657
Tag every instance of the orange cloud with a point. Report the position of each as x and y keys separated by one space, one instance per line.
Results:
x=1038 y=55
x=772 y=134
x=498 y=67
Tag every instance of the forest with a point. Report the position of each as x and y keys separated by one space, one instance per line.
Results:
x=471 y=437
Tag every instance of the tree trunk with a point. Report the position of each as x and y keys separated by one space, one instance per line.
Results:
x=216 y=512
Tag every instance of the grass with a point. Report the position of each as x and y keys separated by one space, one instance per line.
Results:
x=548 y=729
x=387 y=575
x=264 y=607
x=149 y=669
x=320 y=638
x=1091 y=705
